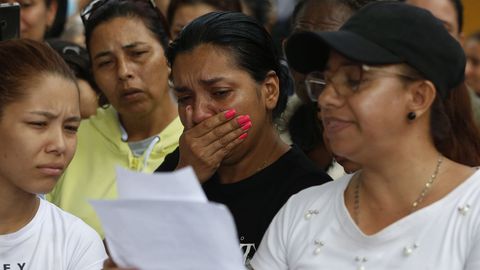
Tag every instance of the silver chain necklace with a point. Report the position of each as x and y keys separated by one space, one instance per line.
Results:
x=414 y=205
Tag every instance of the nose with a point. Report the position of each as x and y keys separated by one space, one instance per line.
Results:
x=23 y=22
x=202 y=110
x=124 y=70
x=329 y=98
x=57 y=142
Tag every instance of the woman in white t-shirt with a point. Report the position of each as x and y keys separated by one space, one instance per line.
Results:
x=389 y=73
x=39 y=116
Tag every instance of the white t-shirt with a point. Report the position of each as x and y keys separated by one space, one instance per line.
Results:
x=53 y=239
x=314 y=230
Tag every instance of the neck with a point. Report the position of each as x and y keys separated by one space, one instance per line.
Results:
x=392 y=179
x=394 y=170
x=266 y=150
x=397 y=181
x=17 y=208
x=140 y=127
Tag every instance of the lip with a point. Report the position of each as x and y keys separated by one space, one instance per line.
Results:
x=52 y=169
x=339 y=159
x=131 y=94
x=334 y=125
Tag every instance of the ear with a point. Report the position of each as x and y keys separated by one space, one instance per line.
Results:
x=461 y=39
x=421 y=97
x=271 y=90
x=169 y=77
x=51 y=12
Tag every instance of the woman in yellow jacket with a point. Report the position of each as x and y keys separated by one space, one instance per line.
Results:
x=126 y=42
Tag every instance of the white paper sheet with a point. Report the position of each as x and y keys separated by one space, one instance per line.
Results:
x=164 y=221
x=170 y=235
x=179 y=185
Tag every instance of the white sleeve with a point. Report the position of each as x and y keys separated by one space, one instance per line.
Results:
x=473 y=260
x=273 y=250
x=473 y=257
x=85 y=248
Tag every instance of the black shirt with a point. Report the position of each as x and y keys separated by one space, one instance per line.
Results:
x=254 y=201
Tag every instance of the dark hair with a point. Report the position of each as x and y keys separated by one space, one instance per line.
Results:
x=76 y=58
x=353 y=5
x=74 y=55
x=452 y=125
x=22 y=61
x=249 y=43
x=141 y=9
x=457 y=4
x=58 y=24
x=260 y=10
x=220 y=5
x=306 y=131
x=453 y=128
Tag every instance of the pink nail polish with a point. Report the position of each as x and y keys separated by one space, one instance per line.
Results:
x=247 y=126
x=243 y=119
x=243 y=136
x=230 y=114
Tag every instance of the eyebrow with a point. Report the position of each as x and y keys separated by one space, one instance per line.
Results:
x=133 y=45
x=207 y=82
x=181 y=89
x=50 y=115
x=127 y=46
x=445 y=22
x=211 y=80
x=101 y=54
x=343 y=64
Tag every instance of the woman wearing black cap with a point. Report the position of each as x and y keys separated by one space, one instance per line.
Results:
x=388 y=72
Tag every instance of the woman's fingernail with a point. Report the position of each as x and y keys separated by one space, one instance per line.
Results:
x=247 y=126
x=243 y=136
x=243 y=119
x=230 y=114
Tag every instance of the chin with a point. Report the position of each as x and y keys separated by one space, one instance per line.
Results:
x=339 y=154
x=44 y=186
x=233 y=157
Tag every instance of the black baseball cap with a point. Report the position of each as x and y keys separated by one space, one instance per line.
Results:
x=386 y=32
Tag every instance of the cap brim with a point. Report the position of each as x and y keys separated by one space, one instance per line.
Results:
x=309 y=51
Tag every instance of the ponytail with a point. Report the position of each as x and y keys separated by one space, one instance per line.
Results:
x=454 y=130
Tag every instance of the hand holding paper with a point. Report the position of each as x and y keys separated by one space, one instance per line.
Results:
x=163 y=221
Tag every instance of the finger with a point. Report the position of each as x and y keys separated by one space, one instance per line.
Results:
x=224 y=141
x=109 y=263
x=216 y=158
x=240 y=122
x=213 y=122
x=221 y=153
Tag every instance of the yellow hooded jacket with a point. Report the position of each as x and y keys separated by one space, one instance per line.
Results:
x=100 y=148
